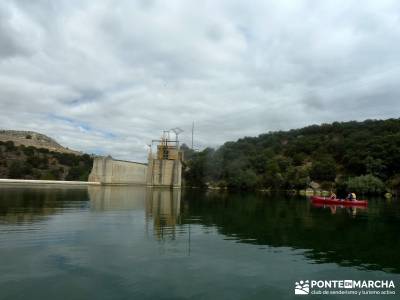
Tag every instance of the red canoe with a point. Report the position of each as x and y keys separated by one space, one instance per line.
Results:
x=327 y=200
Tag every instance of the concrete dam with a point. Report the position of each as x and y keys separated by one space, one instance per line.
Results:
x=164 y=168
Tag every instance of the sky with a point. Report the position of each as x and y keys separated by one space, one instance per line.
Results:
x=107 y=77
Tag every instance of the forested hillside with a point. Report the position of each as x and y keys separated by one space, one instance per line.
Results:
x=362 y=156
x=21 y=162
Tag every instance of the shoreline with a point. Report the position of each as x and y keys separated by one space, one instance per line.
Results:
x=47 y=182
x=36 y=182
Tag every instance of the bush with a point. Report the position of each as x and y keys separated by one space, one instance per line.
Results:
x=43 y=150
x=394 y=183
x=9 y=145
x=35 y=161
x=366 y=184
x=77 y=173
x=67 y=159
x=244 y=179
x=16 y=170
x=324 y=170
x=29 y=151
x=48 y=175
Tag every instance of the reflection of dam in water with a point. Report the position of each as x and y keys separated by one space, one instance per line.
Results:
x=161 y=207
x=155 y=207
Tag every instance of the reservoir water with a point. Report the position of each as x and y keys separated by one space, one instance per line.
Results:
x=140 y=243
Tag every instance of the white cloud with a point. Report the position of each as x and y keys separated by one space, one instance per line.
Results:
x=107 y=77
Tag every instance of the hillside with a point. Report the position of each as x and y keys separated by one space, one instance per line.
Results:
x=34 y=139
x=362 y=156
x=31 y=155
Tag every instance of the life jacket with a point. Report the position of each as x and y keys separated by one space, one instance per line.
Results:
x=353 y=196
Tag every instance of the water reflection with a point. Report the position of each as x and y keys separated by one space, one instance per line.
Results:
x=351 y=210
x=27 y=204
x=361 y=238
x=368 y=239
x=161 y=206
x=115 y=198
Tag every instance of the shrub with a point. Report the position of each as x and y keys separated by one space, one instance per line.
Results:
x=366 y=184
x=67 y=159
x=35 y=161
x=10 y=146
x=394 y=183
x=16 y=170
x=244 y=179
x=324 y=170
x=29 y=151
x=43 y=150
x=77 y=173
x=48 y=175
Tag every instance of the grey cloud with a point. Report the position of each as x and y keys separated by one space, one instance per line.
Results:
x=117 y=74
x=10 y=44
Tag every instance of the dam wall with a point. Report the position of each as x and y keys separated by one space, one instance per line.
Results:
x=107 y=170
x=164 y=168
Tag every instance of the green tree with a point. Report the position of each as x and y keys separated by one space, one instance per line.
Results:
x=16 y=170
x=78 y=173
x=48 y=175
x=375 y=167
x=29 y=151
x=366 y=184
x=10 y=145
x=243 y=179
x=324 y=170
x=394 y=183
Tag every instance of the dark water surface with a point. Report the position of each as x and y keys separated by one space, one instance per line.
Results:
x=138 y=243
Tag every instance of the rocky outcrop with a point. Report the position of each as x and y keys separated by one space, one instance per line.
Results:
x=35 y=139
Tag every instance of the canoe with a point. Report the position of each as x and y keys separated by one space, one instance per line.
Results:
x=327 y=200
x=334 y=206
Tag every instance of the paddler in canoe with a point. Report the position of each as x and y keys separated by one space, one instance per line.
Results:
x=349 y=200
x=351 y=196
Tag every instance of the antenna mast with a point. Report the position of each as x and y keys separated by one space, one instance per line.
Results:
x=192 y=133
x=177 y=131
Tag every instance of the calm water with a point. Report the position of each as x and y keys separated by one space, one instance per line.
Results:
x=138 y=243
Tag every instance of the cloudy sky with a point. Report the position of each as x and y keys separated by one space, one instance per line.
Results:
x=106 y=76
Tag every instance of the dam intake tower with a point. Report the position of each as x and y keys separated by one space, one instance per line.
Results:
x=164 y=167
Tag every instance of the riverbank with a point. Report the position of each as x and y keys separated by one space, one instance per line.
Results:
x=302 y=192
x=57 y=182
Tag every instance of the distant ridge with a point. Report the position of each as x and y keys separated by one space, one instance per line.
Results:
x=34 y=139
